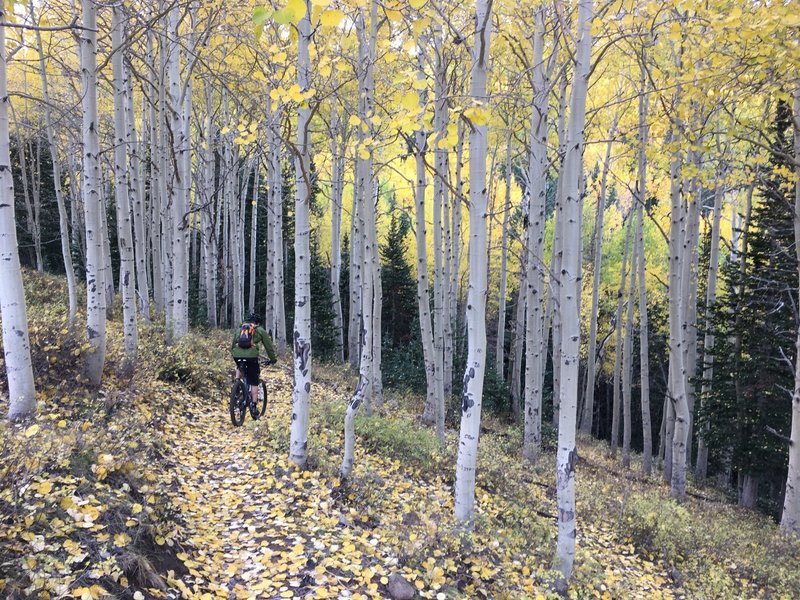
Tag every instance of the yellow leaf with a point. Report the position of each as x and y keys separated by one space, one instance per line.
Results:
x=136 y=509
x=363 y=154
x=331 y=18
x=354 y=120
x=410 y=101
x=417 y=4
x=419 y=25
x=45 y=487
x=31 y=431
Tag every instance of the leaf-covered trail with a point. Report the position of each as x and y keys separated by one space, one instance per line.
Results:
x=256 y=528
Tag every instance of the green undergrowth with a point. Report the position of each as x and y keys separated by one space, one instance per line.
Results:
x=82 y=499
x=709 y=547
x=83 y=510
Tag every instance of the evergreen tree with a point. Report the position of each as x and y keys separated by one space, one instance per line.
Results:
x=399 y=285
x=749 y=408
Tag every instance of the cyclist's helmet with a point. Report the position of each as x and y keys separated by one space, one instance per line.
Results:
x=254 y=318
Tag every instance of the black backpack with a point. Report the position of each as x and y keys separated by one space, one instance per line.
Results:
x=246 y=335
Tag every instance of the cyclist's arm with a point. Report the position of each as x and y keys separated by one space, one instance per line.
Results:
x=233 y=343
x=269 y=346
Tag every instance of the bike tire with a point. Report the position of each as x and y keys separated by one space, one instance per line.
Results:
x=237 y=404
x=258 y=411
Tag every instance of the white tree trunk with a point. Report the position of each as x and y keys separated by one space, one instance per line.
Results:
x=701 y=466
x=557 y=254
x=66 y=253
x=156 y=192
x=515 y=375
x=356 y=265
x=476 y=295
x=587 y=418
x=677 y=387
x=627 y=358
x=301 y=400
x=429 y=415
x=535 y=343
x=136 y=200
x=210 y=240
x=108 y=274
x=569 y=300
x=501 y=311
x=127 y=275
x=618 y=342
x=440 y=119
x=92 y=201
x=179 y=196
x=251 y=297
x=790 y=519
x=368 y=332
x=337 y=194
x=455 y=260
x=16 y=344
x=644 y=351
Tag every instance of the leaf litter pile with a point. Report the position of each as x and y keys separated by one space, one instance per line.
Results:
x=146 y=490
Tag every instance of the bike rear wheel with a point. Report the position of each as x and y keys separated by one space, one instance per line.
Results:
x=258 y=410
x=238 y=403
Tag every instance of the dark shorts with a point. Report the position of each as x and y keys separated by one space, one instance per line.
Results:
x=249 y=369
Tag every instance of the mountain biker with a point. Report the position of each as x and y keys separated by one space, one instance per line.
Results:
x=244 y=349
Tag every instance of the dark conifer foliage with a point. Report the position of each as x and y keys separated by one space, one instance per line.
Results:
x=749 y=410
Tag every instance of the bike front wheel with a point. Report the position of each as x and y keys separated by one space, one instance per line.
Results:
x=257 y=410
x=237 y=403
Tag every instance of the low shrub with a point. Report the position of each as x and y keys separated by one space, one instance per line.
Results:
x=392 y=437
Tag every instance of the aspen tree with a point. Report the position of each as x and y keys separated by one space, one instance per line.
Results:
x=337 y=194
x=16 y=343
x=678 y=403
x=420 y=230
x=32 y=209
x=92 y=200
x=644 y=351
x=501 y=311
x=63 y=223
x=127 y=266
x=478 y=252
x=301 y=338
x=701 y=465
x=587 y=418
x=251 y=296
x=618 y=343
x=179 y=190
x=535 y=344
x=440 y=119
x=515 y=375
x=136 y=197
x=627 y=358
x=568 y=300
x=210 y=239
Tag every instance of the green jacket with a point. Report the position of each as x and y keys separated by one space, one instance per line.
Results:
x=259 y=337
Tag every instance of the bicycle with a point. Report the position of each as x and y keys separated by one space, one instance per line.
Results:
x=241 y=399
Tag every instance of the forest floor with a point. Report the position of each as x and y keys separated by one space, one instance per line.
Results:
x=146 y=490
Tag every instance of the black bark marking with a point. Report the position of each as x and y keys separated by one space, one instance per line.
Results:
x=571 y=461
x=308 y=386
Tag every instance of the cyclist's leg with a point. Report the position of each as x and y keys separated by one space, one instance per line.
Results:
x=253 y=373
